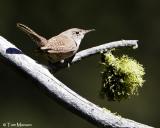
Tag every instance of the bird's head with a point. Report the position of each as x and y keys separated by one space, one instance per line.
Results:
x=76 y=34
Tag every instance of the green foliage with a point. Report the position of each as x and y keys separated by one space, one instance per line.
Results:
x=121 y=77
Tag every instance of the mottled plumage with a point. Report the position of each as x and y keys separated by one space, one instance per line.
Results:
x=59 y=47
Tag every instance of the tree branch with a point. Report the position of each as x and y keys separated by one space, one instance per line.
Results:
x=92 y=51
x=104 y=48
x=77 y=104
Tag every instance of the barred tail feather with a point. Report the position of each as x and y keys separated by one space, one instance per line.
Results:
x=40 y=41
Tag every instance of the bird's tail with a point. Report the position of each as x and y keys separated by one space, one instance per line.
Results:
x=40 y=41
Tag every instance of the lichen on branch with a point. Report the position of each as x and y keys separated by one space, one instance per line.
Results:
x=121 y=77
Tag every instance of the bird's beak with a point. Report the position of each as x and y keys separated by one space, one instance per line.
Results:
x=90 y=30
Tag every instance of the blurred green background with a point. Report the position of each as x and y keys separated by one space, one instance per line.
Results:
x=22 y=101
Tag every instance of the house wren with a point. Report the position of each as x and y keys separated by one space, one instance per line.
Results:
x=59 y=47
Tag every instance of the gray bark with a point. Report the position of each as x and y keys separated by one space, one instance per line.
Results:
x=84 y=108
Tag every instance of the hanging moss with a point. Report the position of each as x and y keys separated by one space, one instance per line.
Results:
x=121 y=77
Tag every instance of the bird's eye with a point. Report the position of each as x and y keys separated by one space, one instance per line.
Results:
x=77 y=33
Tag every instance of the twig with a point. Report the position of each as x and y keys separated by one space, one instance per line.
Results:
x=89 y=111
x=104 y=48
x=94 y=50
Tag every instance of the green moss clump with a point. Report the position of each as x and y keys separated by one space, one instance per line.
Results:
x=121 y=77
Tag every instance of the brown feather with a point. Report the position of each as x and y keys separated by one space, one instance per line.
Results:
x=60 y=44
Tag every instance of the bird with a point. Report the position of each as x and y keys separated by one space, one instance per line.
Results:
x=59 y=47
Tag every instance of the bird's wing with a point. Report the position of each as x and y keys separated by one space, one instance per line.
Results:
x=60 y=44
